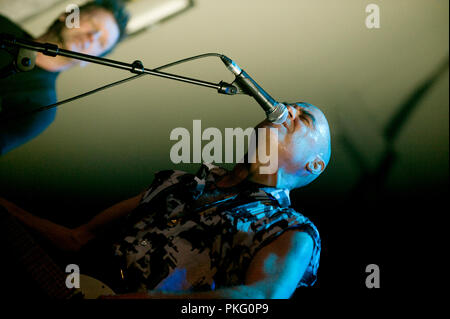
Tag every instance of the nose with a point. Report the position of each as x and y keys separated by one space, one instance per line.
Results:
x=93 y=36
x=96 y=35
x=292 y=111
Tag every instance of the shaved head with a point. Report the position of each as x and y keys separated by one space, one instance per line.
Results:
x=304 y=147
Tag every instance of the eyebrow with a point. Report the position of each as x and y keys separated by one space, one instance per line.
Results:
x=311 y=119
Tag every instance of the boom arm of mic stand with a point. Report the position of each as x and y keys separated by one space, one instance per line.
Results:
x=136 y=67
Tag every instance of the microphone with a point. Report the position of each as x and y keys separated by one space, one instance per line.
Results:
x=276 y=112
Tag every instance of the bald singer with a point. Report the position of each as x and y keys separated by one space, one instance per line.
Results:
x=213 y=234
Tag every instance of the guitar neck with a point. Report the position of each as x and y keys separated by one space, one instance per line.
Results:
x=35 y=261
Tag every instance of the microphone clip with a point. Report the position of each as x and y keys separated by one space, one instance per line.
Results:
x=227 y=88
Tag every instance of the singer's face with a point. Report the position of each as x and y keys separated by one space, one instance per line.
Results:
x=304 y=135
x=96 y=34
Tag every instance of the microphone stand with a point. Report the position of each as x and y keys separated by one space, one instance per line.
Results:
x=136 y=67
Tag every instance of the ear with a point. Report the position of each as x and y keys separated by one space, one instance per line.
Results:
x=62 y=17
x=315 y=166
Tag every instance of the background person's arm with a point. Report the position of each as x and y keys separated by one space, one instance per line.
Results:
x=17 y=132
x=68 y=239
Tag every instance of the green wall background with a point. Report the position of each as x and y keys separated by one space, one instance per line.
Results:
x=106 y=147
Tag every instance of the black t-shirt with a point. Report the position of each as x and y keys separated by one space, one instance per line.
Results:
x=23 y=92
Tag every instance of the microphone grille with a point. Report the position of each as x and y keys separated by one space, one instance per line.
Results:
x=279 y=114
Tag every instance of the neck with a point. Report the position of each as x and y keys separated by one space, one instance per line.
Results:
x=250 y=172
x=264 y=179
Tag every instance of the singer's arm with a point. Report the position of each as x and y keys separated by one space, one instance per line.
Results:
x=273 y=273
x=68 y=239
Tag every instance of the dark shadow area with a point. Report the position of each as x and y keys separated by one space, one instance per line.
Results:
x=375 y=224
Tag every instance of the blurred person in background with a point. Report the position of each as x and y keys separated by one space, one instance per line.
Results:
x=101 y=27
